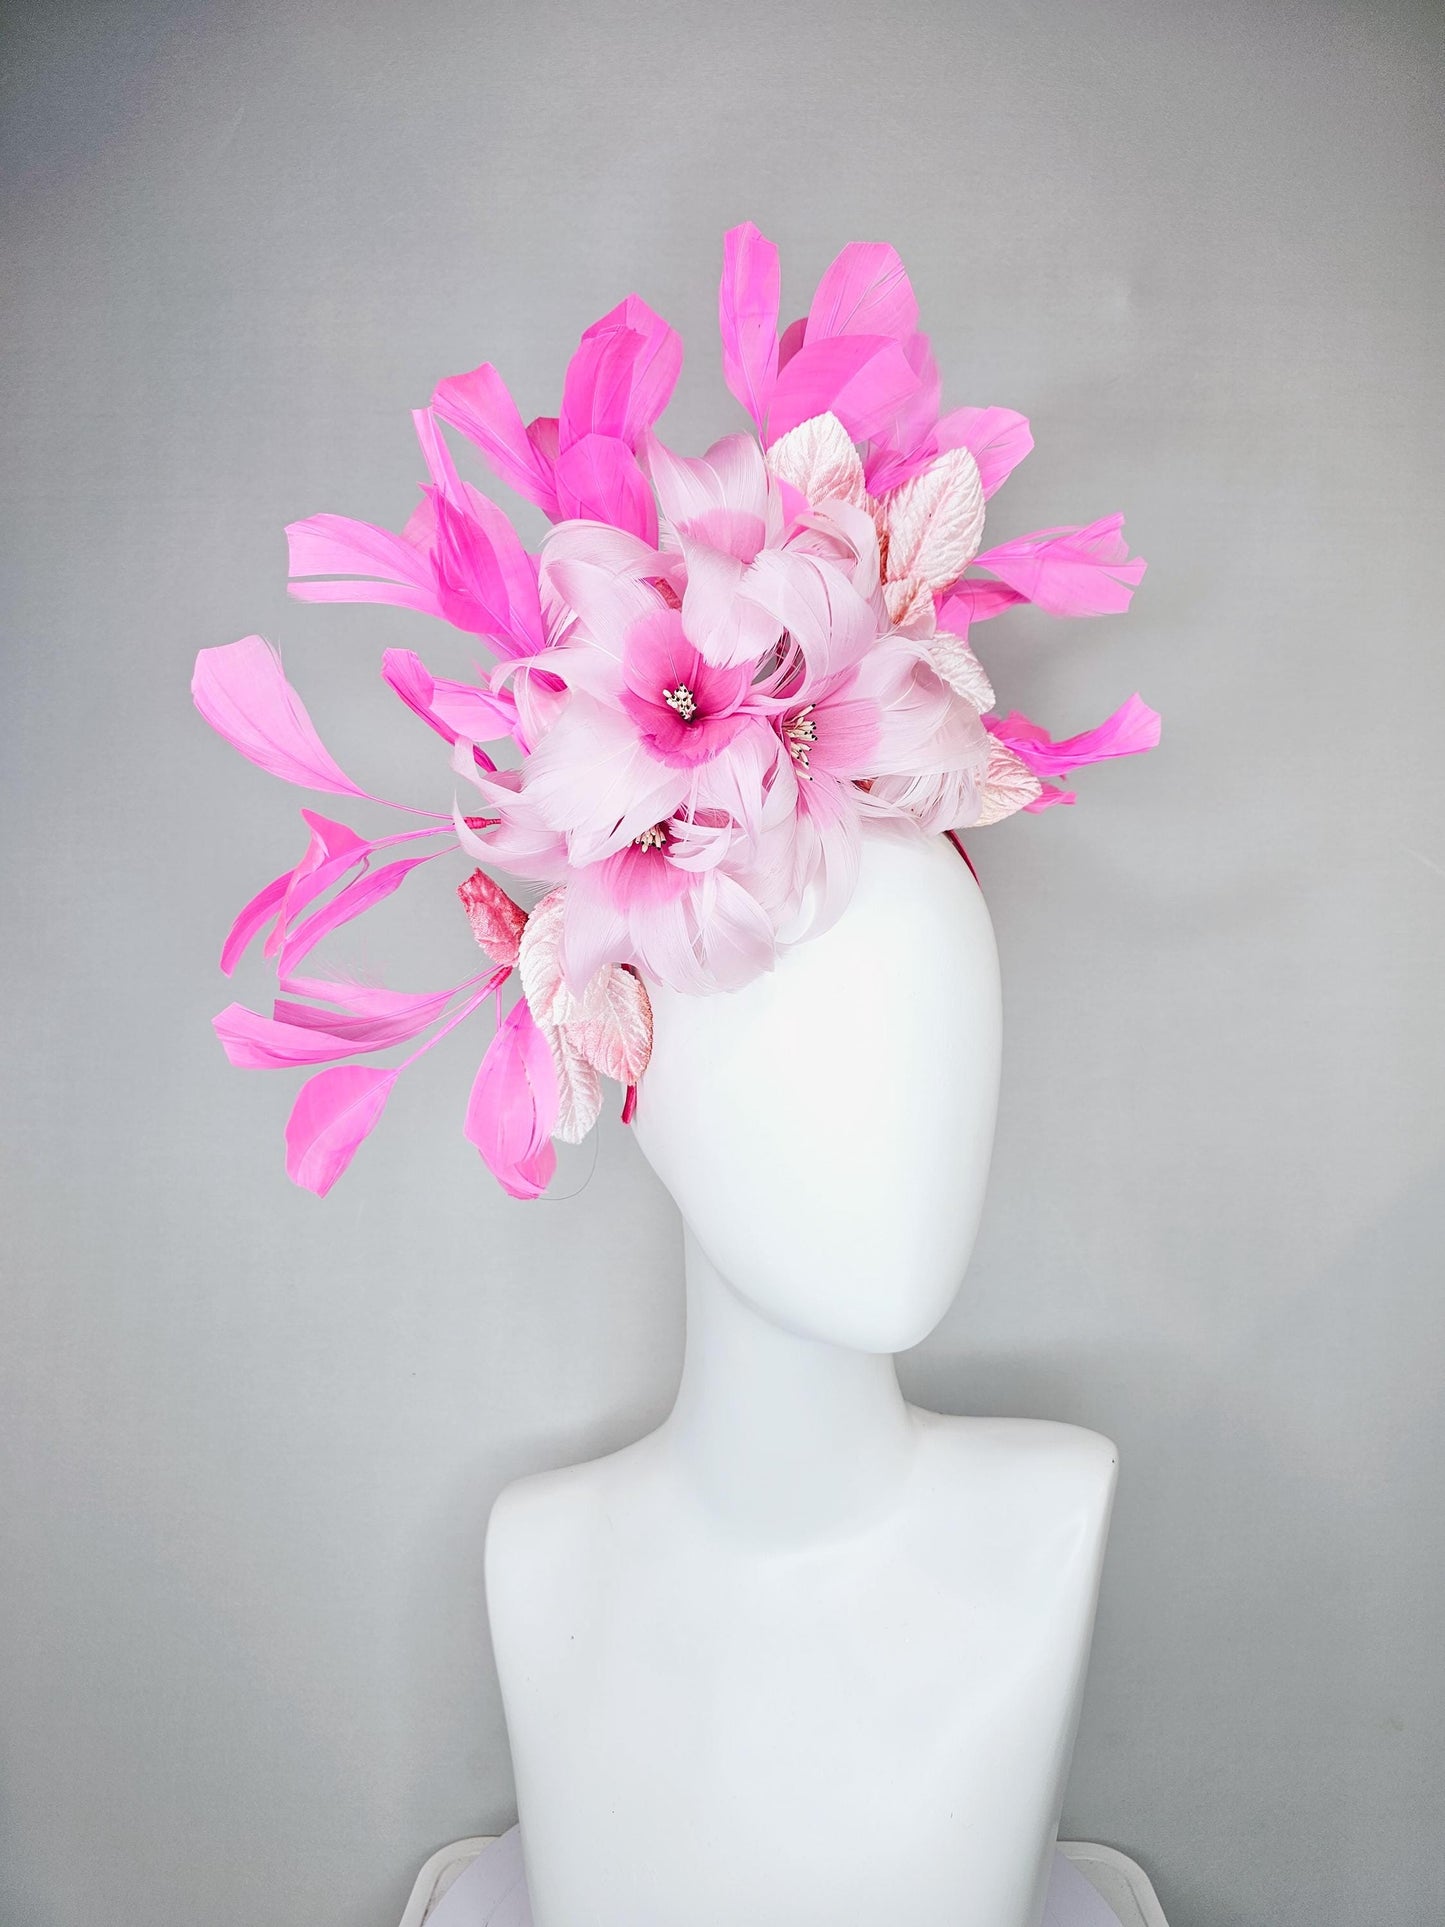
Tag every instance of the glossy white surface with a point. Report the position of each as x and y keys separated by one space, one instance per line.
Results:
x=1092 y=1886
x=805 y=1654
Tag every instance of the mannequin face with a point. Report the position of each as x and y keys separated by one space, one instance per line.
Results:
x=826 y=1132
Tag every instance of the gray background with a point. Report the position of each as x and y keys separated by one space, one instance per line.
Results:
x=251 y=1440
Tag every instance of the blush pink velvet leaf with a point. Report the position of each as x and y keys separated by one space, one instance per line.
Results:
x=1071 y=571
x=934 y=522
x=497 y=922
x=480 y=407
x=513 y=1106
x=334 y=1111
x=243 y=694
x=748 y=318
x=613 y=1029
x=579 y=1088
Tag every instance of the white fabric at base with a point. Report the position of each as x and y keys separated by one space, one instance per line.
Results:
x=493 y=1893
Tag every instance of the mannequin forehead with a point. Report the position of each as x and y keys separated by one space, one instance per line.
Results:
x=826 y=1131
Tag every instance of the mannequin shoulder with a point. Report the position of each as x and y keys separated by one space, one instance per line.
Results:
x=1044 y=1463
x=547 y=1528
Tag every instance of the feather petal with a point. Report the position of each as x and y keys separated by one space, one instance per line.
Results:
x=480 y=407
x=513 y=1106
x=242 y=693
x=333 y=1113
x=862 y=379
x=748 y=318
x=864 y=291
x=1072 y=571
x=598 y=480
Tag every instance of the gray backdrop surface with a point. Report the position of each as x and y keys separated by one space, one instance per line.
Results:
x=250 y=1440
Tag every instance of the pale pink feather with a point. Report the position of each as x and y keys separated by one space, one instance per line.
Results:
x=480 y=407
x=864 y=291
x=243 y=694
x=862 y=379
x=1133 y=728
x=748 y=318
x=1070 y=571
x=513 y=1106
x=334 y=1111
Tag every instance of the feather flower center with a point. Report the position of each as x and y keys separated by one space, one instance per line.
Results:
x=653 y=839
x=800 y=733
x=682 y=700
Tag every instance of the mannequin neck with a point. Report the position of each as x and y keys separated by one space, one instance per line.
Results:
x=785 y=1437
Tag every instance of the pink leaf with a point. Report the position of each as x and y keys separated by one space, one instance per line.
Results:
x=598 y=480
x=242 y=693
x=748 y=318
x=513 y=1106
x=1071 y=571
x=613 y=1029
x=333 y=1112
x=1008 y=785
x=497 y=922
x=539 y=960
x=865 y=291
x=480 y=407
x=817 y=459
x=961 y=669
x=579 y=1088
x=934 y=523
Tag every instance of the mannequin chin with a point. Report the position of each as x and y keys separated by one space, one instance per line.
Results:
x=826 y=1131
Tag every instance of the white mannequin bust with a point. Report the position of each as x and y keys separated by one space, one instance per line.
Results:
x=806 y=1656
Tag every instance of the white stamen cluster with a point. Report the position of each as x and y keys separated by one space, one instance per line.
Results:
x=800 y=733
x=653 y=839
x=682 y=700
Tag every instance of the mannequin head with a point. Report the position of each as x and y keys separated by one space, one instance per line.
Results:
x=826 y=1131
